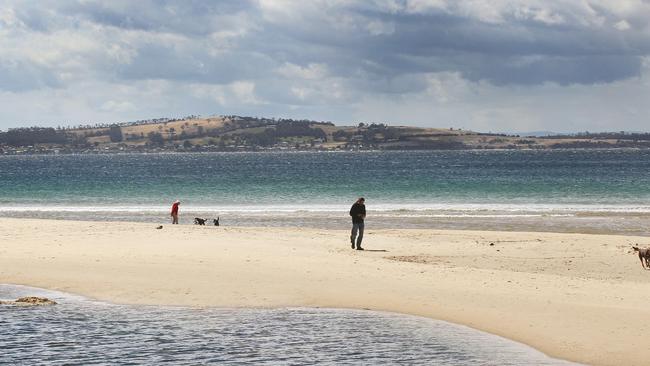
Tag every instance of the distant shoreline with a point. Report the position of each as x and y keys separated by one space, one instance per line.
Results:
x=241 y=133
x=296 y=151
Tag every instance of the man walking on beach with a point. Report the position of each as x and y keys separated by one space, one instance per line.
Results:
x=175 y=211
x=358 y=213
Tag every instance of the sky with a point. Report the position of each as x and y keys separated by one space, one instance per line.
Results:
x=483 y=65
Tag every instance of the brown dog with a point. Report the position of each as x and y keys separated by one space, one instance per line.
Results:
x=644 y=255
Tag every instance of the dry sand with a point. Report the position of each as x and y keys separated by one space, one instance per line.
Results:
x=579 y=297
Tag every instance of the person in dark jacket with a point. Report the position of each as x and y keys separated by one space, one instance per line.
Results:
x=358 y=213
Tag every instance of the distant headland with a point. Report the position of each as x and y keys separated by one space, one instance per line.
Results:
x=237 y=133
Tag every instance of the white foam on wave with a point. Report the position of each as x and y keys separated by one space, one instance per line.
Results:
x=378 y=209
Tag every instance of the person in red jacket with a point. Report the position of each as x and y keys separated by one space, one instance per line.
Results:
x=175 y=211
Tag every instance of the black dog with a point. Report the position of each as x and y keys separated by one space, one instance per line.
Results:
x=199 y=221
x=216 y=221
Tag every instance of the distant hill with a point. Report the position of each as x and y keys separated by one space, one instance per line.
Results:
x=240 y=133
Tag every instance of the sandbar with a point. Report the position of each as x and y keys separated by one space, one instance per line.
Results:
x=579 y=297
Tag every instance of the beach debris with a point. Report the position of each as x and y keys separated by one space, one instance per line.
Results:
x=491 y=244
x=159 y=227
x=421 y=259
x=29 y=301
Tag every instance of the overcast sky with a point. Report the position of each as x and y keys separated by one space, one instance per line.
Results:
x=487 y=65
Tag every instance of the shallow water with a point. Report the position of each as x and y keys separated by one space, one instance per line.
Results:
x=563 y=191
x=80 y=331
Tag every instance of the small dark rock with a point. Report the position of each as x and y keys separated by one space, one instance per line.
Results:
x=30 y=301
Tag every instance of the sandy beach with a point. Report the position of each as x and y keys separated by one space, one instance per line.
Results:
x=578 y=297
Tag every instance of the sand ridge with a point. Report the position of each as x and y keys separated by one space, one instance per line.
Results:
x=573 y=296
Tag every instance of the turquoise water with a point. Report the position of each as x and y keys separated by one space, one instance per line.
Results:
x=83 y=332
x=405 y=189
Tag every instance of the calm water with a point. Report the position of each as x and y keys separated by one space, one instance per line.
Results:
x=79 y=331
x=570 y=190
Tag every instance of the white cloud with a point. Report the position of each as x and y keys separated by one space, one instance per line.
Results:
x=301 y=93
x=238 y=93
x=585 y=13
x=288 y=10
x=8 y=19
x=377 y=28
x=121 y=54
x=216 y=93
x=541 y=15
x=222 y=41
x=245 y=92
x=420 y=6
x=117 y=106
x=313 y=71
x=447 y=87
x=622 y=25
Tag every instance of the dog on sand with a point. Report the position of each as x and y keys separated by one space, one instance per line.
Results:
x=644 y=255
x=216 y=221
x=199 y=221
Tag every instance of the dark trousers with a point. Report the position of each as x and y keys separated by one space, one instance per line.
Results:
x=357 y=227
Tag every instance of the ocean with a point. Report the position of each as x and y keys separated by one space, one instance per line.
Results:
x=79 y=331
x=594 y=191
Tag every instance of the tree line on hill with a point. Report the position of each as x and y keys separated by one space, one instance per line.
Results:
x=237 y=130
x=32 y=135
x=265 y=132
x=29 y=136
x=141 y=122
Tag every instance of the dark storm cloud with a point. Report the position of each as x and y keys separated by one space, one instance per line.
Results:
x=371 y=47
x=517 y=52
